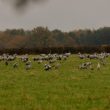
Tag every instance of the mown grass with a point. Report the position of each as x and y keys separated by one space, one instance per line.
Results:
x=66 y=88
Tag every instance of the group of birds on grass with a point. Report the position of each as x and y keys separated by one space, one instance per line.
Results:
x=51 y=61
x=101 y=58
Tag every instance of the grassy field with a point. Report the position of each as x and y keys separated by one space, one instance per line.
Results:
x=66 y=88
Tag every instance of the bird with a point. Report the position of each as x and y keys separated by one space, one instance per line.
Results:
x=98 y=66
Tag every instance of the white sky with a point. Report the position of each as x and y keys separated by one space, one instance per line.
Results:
x=66 y=15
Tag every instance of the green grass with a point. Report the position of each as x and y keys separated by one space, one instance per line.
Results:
x=66 y=88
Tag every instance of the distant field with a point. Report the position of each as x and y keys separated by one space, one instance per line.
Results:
x=66 y=88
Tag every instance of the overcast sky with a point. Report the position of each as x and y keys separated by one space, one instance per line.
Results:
x=66 y=15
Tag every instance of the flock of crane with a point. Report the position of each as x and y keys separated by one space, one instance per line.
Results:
x=53 y=60
x=101 y=60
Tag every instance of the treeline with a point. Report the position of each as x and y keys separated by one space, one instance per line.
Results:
x=41 y=39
